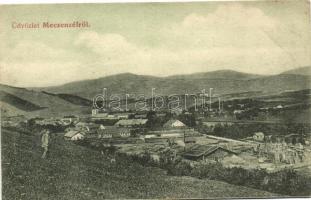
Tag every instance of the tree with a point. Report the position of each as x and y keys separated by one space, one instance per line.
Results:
x=188 y=119
x=153 y=121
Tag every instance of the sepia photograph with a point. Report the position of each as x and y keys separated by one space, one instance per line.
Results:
x=156 y=100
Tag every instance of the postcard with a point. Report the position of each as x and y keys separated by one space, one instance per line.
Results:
x=156 y=100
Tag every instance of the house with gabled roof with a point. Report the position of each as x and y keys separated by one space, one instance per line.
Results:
x=174 y=123
x=74 y=135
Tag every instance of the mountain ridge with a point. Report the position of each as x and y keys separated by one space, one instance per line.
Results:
x=299 y=71
x=141 y=84
x=75 y=96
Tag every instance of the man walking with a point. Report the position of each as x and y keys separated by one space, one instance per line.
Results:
x=45 y=142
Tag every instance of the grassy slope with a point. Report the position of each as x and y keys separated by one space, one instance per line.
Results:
x=18 y=102
x=54 y=105
x=75 y=172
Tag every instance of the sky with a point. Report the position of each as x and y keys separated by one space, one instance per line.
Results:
x=160 y=39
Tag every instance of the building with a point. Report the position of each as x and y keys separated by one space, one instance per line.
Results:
x=160 y=114
x=156 y=140
x=174 y=133
x=131 y=123
x=140 y=116
x=150 y=136
x=104 y=133
x=81 y=124
x=99 y=115
x=66 y=120
x=94 y=112
x=241 y=105
x=259 y=136
x=114 y=132
x=208 y=153
x=88 y=127
x=74 y=135
x=94 y=127
x=238 y=111
x=278 y=107
x=123 y=115
x=174 y=123
x=78 y=136
x=47 y=122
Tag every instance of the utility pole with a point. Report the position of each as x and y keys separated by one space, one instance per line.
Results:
x=152 y=100
x=219 y=104
x=210 y=98
x=105 y=98
x=185 y=139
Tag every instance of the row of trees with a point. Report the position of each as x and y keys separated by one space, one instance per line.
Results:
x=239 y=131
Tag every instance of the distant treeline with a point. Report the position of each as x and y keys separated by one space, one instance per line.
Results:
x=239 y=131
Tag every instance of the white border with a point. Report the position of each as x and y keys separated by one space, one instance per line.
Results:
x=11 y=2
x=104 y=1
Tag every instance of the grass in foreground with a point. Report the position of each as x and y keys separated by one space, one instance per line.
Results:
x=76 y=172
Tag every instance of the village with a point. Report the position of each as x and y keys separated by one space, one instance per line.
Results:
x=137 y=133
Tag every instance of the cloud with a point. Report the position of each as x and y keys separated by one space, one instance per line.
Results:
x=128 y=57
x=108 y=45
x=32 y=50
x=233 y=36
x=230 y=25
x=38 y=73
x=37 y=64
x=230 y=16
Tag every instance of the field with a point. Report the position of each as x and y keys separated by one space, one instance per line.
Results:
x=76 y=172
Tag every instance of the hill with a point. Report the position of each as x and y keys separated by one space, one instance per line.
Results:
x=219 y=74
x=76 y=172
x=32 y=103
x=76 y=100
x=223 y=82
x=19 y=103
x=300 y=71
x=76 y=97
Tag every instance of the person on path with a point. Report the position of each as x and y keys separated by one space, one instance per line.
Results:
x=45 y=142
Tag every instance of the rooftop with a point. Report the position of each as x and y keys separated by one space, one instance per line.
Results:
x=129 y=122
